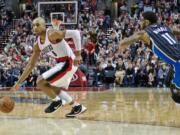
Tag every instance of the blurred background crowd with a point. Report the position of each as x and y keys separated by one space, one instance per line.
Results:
x=103 y=63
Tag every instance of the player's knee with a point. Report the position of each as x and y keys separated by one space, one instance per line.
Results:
x=40 y=82
x=176 y=98
x=175 y=95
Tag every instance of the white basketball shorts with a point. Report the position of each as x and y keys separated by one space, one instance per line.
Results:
x=61 y=74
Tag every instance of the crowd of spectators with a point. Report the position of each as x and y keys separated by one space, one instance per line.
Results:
x=134 y=66
x=6 y=17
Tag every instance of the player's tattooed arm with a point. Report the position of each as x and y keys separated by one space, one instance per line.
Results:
x=141 y=35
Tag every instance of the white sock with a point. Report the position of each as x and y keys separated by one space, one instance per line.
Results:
x=63 y=102
x=65 y=96
x=56 y=98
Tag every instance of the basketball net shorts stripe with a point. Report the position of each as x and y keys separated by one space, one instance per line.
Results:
x=61 y=74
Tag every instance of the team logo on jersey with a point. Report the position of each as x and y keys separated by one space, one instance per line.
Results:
x=74 y=78
x=48 y=49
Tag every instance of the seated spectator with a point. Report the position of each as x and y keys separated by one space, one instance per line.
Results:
x=142 y=77
x=129 y=77
x=109 y=74
x=151 y=79
x=161 y=77
x=90 y=50
x=120 y=73
x=98 y=75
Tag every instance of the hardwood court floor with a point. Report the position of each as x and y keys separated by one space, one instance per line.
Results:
x=119 y=111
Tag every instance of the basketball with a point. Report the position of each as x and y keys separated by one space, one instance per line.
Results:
x=6 y=104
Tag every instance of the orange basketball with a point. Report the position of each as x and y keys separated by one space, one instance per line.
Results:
x=6 y=104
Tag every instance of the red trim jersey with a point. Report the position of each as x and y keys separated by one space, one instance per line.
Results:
x=59 y=51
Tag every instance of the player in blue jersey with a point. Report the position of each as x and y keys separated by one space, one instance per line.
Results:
x=160 y=38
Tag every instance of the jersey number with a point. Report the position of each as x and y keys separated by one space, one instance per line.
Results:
x=54 y=53
x=169 y=38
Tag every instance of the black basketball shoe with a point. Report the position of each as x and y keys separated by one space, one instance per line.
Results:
x=76 y=110
x=53 y=106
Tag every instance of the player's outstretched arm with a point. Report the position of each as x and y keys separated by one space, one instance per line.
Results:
x=141 y=35
x=31 y=64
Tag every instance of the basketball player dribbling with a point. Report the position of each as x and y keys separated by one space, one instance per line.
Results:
x=160 y=38
x=52 y=43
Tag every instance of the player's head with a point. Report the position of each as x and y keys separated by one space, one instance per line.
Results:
x=39 y=25
x=149 y=18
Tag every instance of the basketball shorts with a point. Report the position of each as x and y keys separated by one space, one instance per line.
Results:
x=174 y=64
x=61 y=74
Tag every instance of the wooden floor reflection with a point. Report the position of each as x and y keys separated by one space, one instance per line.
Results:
x=127 y=111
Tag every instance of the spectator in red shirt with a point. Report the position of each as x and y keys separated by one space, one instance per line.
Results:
x=90 y=50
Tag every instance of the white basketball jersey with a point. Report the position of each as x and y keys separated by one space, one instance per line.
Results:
x=58 y=50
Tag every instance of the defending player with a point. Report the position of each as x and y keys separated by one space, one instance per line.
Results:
x=160 y=38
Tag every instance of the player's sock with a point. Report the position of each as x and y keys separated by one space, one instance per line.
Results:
x=66 y=97
x=56 y=98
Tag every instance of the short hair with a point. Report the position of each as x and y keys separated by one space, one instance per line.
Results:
x=150 y=16
x=40 y=19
